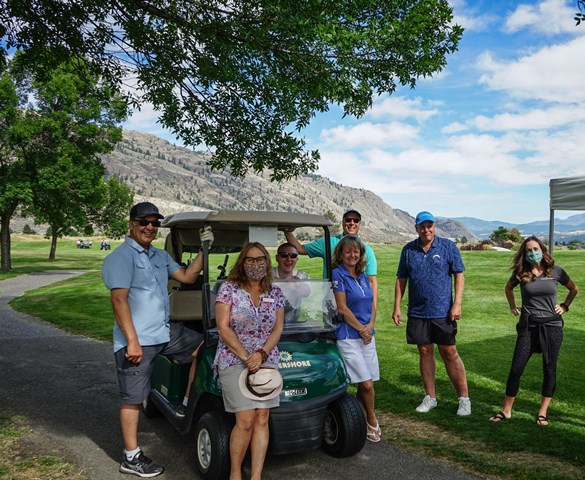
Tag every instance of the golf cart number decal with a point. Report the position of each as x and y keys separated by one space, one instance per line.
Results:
x=297 y=392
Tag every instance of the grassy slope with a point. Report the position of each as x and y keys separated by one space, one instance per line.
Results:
x=513 y=449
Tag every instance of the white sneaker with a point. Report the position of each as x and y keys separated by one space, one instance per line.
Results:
x=464 y=407
x=427 y=404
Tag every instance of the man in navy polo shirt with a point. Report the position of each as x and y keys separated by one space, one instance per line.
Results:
x=429 y=264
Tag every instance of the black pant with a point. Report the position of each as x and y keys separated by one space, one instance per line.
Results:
x=527 y=343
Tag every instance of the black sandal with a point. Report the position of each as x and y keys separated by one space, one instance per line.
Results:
x=498 y=417
x=540 y=421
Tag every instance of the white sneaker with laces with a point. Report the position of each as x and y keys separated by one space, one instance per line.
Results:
x=464 y=407
x=427 y=404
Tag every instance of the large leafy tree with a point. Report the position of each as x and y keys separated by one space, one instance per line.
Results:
x=73 y=118
x=53 y=170
x=14 y=185
x=243 y=77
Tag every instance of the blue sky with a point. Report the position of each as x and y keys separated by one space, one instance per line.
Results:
x=480 y=139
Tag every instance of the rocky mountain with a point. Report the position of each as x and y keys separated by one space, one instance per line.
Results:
x=178 y=179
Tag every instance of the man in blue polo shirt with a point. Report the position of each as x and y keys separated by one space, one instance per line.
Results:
x=429 y=264
x=137 y=275
x=351 y=223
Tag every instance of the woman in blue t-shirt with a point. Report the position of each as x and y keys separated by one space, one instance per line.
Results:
x=355 y=334
x=540 y=329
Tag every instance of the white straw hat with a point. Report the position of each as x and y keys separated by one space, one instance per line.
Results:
x=265 y=384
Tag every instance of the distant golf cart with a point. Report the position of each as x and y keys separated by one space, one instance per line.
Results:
x=315 y=408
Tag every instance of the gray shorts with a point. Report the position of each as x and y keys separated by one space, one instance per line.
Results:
x=233 y=400
x=422 y=331
x=134 y=378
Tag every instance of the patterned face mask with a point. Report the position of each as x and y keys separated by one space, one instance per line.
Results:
x=534 y=257
x=255 y=271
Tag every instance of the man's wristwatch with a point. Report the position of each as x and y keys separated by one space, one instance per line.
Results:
x=565 y=306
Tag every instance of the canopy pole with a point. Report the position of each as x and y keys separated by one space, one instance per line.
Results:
x=551 y=232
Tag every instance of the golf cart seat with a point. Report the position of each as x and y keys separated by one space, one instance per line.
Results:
x=186 y=305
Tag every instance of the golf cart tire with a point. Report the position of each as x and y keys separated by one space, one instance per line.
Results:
x=344 y=432
x=149 y=409
x=212 y=445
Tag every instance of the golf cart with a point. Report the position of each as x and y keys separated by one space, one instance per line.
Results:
x=315 y=408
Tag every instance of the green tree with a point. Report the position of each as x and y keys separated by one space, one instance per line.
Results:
x=112 y=219
x=72 y=119
x=14 y=184
x=515 y=236
x=500 y=235
x=244 y=77
x=335 y=228
x=463 y=240
x=27 y=230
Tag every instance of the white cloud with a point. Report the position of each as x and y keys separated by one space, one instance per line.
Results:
x=366 y=134
x=455 y=127
x=531 y=119
x=402 y=108
x=549 y=17
x=553 y=74
x=465 y=15
x=475 y=24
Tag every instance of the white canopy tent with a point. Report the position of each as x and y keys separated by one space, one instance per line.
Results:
x=565 y=194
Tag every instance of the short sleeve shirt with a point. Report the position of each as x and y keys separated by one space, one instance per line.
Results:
x=539 y=296
x=145 y=273
x=291 y=294
x=317 y=249
x=429 y=275
x=358 y=297
x=251 y=325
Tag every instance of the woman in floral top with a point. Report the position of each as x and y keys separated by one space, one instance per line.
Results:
x=249 y=313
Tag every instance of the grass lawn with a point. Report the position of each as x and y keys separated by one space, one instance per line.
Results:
x=514 y=449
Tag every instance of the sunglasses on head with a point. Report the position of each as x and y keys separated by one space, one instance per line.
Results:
x=352 y=219
x=287 y=255
x=145 y=223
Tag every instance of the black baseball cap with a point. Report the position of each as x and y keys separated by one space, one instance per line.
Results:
x=144 y=209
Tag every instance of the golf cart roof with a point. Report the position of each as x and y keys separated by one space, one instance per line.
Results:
x=244 y=217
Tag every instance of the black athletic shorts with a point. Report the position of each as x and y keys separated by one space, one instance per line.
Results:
x=422 y=331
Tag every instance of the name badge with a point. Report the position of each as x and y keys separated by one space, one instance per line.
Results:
x=268 y=300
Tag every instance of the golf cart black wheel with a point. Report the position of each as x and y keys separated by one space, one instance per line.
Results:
x=212 y=445
x=149 y=409
x=344 y=432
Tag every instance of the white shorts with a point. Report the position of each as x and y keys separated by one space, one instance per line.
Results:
x=361 y=361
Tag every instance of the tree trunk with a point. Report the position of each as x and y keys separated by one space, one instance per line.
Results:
x=5 y=260
x=54 y=236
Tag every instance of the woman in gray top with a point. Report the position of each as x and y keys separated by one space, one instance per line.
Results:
x=540 y=329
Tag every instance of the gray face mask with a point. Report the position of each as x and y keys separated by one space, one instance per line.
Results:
x=534 y=257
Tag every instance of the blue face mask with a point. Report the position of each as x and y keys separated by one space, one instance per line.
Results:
x=534 y=257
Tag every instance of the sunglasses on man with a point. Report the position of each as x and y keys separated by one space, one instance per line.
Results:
x=145 y=223
x=352 y=220
x=287 y=255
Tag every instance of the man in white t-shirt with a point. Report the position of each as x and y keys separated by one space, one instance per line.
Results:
x=287 y=257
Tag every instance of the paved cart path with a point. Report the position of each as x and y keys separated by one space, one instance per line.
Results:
x=66 y=386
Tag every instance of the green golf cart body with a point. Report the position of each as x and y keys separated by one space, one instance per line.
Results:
x=315 y=409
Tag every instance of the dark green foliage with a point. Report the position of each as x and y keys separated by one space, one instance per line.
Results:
x=27 y=230
x=49 y=163
x=243 y=78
